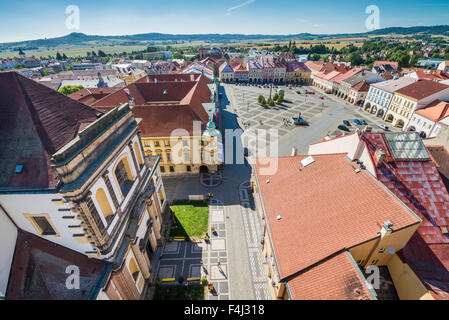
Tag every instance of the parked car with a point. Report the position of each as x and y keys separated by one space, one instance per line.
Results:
x=347 y=123
x=357 y=121
x=298 y=92
x=364 y=122
x=384 y=127
x=321 y=97
x=343 y=128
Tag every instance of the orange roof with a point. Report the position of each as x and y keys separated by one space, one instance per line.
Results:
x=325 y=207
x=435 y=111
x=361 y=87
x=335 y=278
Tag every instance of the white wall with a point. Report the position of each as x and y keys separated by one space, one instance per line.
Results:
x=344 y=144
x=8 y=237
x=39 y=203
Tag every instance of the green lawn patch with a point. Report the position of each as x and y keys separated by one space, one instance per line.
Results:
x=191 y=219
x=179 y=292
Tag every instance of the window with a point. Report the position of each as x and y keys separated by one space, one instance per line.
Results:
x=374 y=262
x=132 y=266
x=156 y=143
x=186 y=156
x=138 y=154
x=147 y=143
x=172 y=169
x=42 y=224
x=162 y=169
x=105 y=207
x=381 y=250
x=189 y=169
x=124 y=176
x=167 y=143
x=169 y=157
x=185 y=143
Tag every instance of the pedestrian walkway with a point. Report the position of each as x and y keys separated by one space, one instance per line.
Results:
x=181 y=259
x=217 y=274
x=253 y=236
x=211 y=180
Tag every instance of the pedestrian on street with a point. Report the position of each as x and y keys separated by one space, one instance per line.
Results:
x=219 y=265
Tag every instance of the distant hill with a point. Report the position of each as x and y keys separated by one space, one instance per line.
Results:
x=81 y=39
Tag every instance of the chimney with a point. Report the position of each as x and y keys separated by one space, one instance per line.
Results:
x=294 y=152
x=379 y=156
x=386 y=229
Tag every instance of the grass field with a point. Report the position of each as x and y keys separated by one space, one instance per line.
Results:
x=179 y=292
x=191 y=218
x=75 y=52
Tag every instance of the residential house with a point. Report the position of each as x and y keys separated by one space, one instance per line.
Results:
x=401 y=164
x=428 y=120
x=226 y=73
x=349 y=229
x=412 y=97
x=364 y=75
x=357 y=93
x=297 y=72
x=380 y=95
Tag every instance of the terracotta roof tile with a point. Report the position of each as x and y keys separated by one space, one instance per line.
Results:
x=36 y=121
x=421 y=89
x=335 y=278
x=321 y=207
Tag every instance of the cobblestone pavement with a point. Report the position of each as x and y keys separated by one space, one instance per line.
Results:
x=217 y=251
x=181 y=258
x=253 y=236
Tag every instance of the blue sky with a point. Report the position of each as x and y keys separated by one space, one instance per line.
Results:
x=26 y=19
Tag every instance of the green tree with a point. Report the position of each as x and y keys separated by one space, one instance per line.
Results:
x=271 y=102
x=58 y=56
x=69 y=89
x=280 y=100
x=70 y=67
x=276 y=96
x=64 y=57
x=101 y=53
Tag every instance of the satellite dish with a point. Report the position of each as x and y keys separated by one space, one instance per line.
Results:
x=391 y=250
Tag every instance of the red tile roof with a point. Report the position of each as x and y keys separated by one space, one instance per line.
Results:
x=164 y=106
x=422 y=89
x=89 y=96
x=435 y=111
x=419 y=186
x=36 y=121
x=394 y=64
x=361 y=87
x=335 y=278
x=320 y=206
x=39 y=271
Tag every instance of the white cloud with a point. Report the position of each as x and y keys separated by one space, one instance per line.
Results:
x=241 y=5
x=302 y=20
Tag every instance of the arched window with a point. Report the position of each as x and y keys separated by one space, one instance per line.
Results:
x=105 y=207
x=132 y=266
x=124 y=175
x=138 y=154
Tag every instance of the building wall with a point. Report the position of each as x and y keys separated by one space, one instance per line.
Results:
x=407 y=284
x=422 y=124
x=376 y=251
x=21 y=205
x=8 y=237
x=168 y=149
